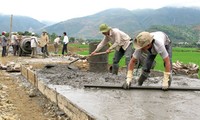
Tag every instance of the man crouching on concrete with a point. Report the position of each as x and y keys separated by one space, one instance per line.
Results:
x=154 y=43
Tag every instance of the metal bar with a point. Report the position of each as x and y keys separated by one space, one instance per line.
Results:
x=143 y=87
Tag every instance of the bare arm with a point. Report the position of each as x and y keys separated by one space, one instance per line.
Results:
x=131 y=64
x=167 y=64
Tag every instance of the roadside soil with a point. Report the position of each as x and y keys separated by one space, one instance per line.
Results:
x=19 y=100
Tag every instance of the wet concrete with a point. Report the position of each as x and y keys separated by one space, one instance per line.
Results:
x=107 y=104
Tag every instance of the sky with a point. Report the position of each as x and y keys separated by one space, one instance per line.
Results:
x=61 y=10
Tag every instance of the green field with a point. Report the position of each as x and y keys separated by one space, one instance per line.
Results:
x=184 y=55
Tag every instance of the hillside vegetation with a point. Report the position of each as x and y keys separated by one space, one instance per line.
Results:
x=130 y=22
x=178 y=23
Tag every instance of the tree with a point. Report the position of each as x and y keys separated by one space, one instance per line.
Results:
x=72 y=39
x=53 y=36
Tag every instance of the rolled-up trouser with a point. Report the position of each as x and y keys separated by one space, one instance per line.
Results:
x=149 y=61
x=146 y=68
x=119 y=54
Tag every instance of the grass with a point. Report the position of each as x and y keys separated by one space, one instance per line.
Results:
x=184 y=55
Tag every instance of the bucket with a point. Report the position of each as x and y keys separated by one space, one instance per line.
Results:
x=98 y=63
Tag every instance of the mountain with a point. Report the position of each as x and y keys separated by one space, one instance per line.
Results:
x=87 y=27
x=20 y=23
x=130 y=22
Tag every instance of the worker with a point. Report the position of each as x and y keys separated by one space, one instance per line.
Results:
x=14 y=43
x=154 y=43
x=44 y=40
x=4 y=43
x=34 y=43
x=56 y=44
x=120 y=41
x=65 y=43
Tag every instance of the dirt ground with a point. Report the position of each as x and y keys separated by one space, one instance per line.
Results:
x=21 y=101
x=16 y=104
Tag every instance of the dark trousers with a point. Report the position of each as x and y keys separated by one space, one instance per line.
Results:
x=45 y=51
x=3 y=51
x=64 y=49
x=119 y=54
x=15 y=49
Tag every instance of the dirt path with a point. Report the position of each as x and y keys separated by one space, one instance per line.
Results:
x=20 y=101
x=17 y=102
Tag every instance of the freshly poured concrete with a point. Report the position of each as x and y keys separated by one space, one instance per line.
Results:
x=134 y=104
x=108 y=104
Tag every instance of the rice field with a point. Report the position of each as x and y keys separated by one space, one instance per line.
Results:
x=184 y=55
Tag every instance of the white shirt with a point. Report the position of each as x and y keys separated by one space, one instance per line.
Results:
x=57 y=40
x=13 y=40
x=66 y=39
x=34 y=41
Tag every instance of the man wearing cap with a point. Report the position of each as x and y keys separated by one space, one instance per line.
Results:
x=4 y=44
x=154 y=43
x=121 y=42
x=34 y=43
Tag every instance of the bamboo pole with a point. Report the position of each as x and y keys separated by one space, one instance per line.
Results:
x=11 y=20
x=9 y=37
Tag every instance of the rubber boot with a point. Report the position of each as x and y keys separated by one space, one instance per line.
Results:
x=115 y=69
x=142 y=78
x=170 y=79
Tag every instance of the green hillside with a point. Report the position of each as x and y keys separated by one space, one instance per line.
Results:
x=130 y=22
x=178 y=23
x=178 y=33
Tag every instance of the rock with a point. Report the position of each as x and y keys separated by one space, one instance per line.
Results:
x=32 y=93
x=1 y=86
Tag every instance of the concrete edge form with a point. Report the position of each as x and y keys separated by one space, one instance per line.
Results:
x=71 y=109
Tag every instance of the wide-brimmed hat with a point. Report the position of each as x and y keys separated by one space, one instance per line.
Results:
x=44 y=31
x=142 y=40
x=104 y=28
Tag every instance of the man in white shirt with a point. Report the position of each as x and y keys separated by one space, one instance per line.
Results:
x=65 y=42
x=34 y=43
x=154 y=43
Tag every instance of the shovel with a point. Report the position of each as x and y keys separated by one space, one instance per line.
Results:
x=99 y=53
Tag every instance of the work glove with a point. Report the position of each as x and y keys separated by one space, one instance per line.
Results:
x=129 y=78
x=166 y=81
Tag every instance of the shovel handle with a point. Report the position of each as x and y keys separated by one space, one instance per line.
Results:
x=73 y=61
x=99 y=53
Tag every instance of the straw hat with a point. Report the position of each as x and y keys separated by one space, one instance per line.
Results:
x=142 y=40
x=104 y=28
